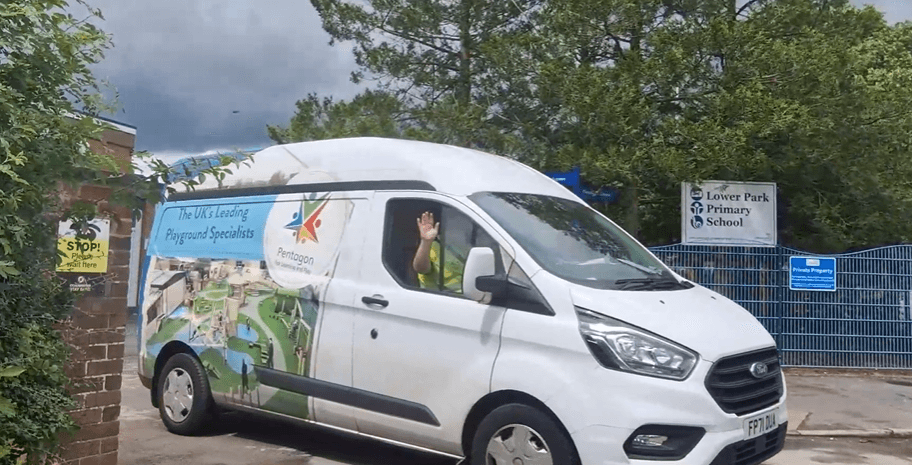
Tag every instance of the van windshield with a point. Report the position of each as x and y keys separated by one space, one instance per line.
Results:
x=575 y=243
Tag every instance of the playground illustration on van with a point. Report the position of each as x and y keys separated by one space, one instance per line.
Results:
x=235 y=317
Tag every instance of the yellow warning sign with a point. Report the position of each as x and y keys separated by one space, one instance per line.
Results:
x=89 y=252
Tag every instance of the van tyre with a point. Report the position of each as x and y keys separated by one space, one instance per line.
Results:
x=518 y=431
x=184 y=400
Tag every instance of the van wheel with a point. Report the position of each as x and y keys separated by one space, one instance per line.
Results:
x=184 y=401
x=520 y=434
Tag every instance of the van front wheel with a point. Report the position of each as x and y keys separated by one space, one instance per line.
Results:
x=184 y=402
x=517 y=433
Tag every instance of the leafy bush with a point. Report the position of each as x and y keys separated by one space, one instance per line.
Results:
x=45 y=55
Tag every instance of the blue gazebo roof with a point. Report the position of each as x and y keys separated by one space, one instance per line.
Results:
x=190 y=167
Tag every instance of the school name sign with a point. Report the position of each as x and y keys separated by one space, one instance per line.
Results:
x=728 y=213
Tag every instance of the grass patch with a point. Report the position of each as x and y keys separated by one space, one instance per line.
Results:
x=288 y=403
x=228 y=379
x=288 y=292
x=279 y=331
x=214 y=294
x=267 y=306
x=168 y=329
x=285 y=304
x=215 y=291
x=240 y=345
x=202 y=304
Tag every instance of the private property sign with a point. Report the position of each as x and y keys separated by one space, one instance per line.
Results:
x=728 y=213
x=812 y=274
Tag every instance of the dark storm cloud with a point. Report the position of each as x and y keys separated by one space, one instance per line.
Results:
x=183 y=67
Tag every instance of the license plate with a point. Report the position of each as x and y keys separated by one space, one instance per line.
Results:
x=758 y=425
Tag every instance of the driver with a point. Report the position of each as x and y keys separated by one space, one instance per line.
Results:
x=427 y=259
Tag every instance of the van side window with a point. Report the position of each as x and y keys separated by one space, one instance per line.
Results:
x=444 y=259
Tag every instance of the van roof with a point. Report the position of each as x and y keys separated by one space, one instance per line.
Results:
x=444 y=168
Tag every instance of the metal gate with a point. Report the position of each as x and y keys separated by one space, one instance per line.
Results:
x=865 y=323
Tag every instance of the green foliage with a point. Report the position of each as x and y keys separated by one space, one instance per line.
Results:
x=442 y=60
x=151 y=177
x=45 y=59
x=427 y=49
x=644 y=94
x=372 y=113
x=6 y=407
x=34 y=391
x=45 y=56
x=772 y=94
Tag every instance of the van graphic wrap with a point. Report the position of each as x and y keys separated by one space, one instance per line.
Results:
x=240 y=282
x=302 y=236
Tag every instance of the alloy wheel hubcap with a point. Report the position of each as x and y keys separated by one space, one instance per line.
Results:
x=177 y=395
x=517 y=445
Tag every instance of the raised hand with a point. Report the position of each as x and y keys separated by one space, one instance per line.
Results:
x=427 y=229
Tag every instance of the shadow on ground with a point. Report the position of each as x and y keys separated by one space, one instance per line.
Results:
x=318 y=442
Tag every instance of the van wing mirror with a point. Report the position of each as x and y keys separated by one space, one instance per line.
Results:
x=495 y=284
x=479 y=270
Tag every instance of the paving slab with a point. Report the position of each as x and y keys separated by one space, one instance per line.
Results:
x=843 y=451
x=841 y=401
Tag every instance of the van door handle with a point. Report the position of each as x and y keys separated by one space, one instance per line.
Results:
x=375 y=301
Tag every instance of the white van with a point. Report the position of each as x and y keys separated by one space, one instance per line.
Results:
x=448 y=300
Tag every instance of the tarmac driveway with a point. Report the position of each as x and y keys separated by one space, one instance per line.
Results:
x=242 y=439
x=819 y=403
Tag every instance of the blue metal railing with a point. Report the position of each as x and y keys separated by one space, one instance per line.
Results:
x=865 y=323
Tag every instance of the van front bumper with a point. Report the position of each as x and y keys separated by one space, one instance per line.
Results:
x=599 y=445
x=602 y=429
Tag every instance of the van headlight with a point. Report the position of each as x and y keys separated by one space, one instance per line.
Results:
x=619 y=346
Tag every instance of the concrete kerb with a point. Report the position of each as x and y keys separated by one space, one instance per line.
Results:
x=848 y=433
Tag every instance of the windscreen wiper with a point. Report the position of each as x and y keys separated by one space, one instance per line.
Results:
x=644 y=269
x=651 y=284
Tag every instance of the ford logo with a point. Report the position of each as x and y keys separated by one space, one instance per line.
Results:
x=759 y=369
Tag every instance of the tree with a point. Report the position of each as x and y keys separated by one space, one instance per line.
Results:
x=371 y=113
x=645 y=94
x=437 y=56
x=427 y=49
x=662 y=92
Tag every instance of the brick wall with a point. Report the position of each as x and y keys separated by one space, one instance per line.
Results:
x=96 y=330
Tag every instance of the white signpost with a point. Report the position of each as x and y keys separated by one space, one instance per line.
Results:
x=728 y=213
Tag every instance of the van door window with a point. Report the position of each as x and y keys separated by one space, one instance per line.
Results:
x=437 y=266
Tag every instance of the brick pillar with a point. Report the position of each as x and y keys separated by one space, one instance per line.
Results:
x=96 y=329
x=95 y=333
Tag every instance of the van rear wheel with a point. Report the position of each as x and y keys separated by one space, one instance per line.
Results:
x=184 y=400
x=519 y=434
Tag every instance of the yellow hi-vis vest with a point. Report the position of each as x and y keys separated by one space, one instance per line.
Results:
x=452 y=271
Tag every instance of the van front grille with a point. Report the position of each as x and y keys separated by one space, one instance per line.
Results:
x=732 y=385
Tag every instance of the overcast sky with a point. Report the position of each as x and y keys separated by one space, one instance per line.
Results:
x=182 y=68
